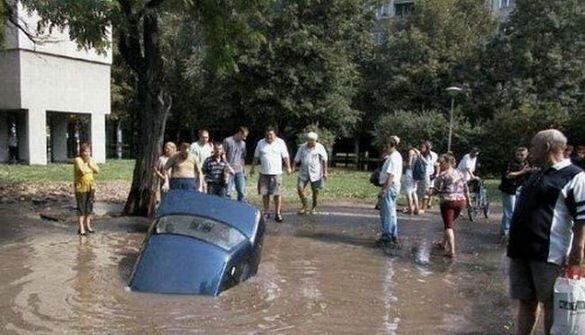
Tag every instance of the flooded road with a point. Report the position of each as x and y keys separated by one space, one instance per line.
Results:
x=319 y=274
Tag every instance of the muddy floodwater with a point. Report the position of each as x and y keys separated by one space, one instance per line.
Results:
x=320 y=274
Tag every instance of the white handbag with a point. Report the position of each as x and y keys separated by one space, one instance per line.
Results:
x=569 y=307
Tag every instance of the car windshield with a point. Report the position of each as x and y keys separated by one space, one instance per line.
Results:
x=211 y=231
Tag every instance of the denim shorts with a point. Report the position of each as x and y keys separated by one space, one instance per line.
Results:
x=182 y=184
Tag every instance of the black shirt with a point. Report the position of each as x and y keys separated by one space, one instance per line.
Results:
x=548 y=205
x=510 y=185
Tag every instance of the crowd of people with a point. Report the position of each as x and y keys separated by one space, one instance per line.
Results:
x=219 y=168
x=543 y=196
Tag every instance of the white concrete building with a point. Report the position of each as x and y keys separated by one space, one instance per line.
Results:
x=45 y=90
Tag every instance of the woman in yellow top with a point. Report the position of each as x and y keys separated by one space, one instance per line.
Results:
x=185 y=170
x=84 y=169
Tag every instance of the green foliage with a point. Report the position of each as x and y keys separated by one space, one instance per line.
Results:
x=425 y=52
x=415 y=127
x=512 y=128
x=326 y=137
x=305 y=72
x=536 y=57
x=2 y=18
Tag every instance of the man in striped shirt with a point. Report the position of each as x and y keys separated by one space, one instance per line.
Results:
x=217 y=171
x=547 y=231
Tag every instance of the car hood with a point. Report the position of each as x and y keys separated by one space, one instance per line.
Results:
x=179 y=264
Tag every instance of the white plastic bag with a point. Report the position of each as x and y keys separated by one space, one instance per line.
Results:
x=569 y=307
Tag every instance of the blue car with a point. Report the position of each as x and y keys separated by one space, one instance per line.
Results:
x=199 y=244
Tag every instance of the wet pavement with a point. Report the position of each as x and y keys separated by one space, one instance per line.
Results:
x=319 y=274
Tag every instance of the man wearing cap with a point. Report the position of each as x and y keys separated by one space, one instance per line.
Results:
x=390 y=177
x=312 y=158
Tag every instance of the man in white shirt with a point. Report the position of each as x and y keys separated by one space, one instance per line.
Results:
x=202 y=149
x=468 y=163
x=270 y=153
x=312 y=158
x=390 y=176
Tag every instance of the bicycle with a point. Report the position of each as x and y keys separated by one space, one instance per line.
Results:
x=480 y=202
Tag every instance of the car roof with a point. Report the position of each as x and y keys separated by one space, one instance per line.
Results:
x=234 y=213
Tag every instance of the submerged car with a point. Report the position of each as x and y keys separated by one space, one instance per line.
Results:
x=199 y=244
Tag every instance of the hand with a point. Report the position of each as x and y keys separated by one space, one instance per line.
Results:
x=165 y=187
x=325 y=175
x=468 y=203
x=289 y=170
x=574 y=272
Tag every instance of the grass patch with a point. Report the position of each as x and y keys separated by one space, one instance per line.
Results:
x=111 y=171
x=343 y=184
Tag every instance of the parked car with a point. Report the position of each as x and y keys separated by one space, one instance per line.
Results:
x=199 y=244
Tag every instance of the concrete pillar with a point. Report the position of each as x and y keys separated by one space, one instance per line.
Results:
x=4 y=156
x=98 y=137
x=59 y=123
x=36 y=136
x=21 y=122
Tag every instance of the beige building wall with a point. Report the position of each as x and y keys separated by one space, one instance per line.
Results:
x=55 y=76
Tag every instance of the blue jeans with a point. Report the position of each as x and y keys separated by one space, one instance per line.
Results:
x=238 y=182
x=508 y=203
x=388 y=213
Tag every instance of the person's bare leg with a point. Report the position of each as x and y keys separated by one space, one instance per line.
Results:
x=548 y=316
x=303 y=198
x=277 y=204
x=80 y=220
x=527 y=314
x=266 y=203
x=415 y=203
x=315 y=200
x=450 y=242
x=88 y=223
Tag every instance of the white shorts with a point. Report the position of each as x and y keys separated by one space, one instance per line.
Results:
x=409 y=183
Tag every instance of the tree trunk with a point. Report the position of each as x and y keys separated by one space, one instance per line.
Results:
x=153 y=116
x=155 y=103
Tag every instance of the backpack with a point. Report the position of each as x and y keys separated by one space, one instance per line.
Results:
x=419 y=169
x=375 y=177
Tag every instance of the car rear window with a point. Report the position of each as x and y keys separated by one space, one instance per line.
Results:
x=211 y=231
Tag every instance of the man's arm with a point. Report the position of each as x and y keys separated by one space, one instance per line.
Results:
x=199 y=174
x=287 y=163
x=389 y=182
x=256 y=159
x=576 y=256
x=577 y=206
x=286 y=157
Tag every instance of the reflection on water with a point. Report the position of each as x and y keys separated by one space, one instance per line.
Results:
x=314 y=278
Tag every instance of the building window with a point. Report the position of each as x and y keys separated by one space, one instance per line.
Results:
x=384 y=11
x=403 y=8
